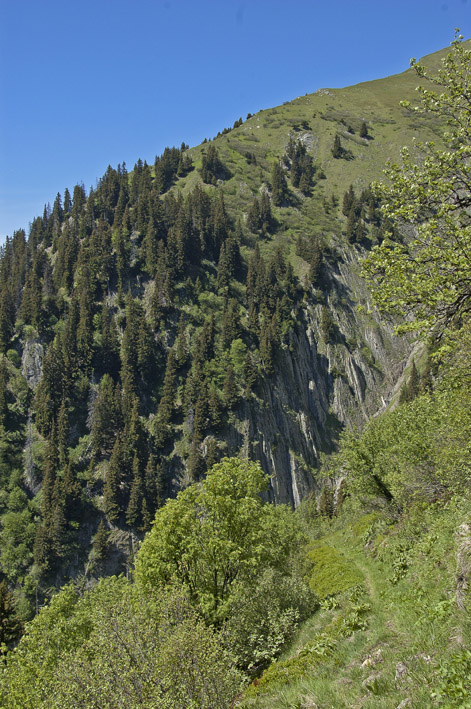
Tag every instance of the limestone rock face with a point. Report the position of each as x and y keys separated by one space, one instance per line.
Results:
x=32 y=362
x=320 y=386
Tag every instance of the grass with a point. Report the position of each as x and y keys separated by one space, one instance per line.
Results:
x=397 y=635
x=320 y=115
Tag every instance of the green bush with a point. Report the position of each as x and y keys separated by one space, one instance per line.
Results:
x=116 y=647
x=263 y=619
x=331 y=572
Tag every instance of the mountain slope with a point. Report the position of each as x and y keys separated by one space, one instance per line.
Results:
x=203 y=306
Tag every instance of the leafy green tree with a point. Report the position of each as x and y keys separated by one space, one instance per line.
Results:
x=215 y=535
x=115 y=646
x=428 y=276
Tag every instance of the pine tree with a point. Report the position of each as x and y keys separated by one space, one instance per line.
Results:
x=219 y=222
x=214 y=408
x=154 y=485
x=101 y=542
x=212 y=169
x=223 y=274
x=266 y=222
x=267 y=347
x=51 y=467
x=134 y=434
x=70 y=493
x=63 y=433
x=351 y=228
x=106 y=419
x=253 y=216
x=67 y=202
x=146 y=353
x=167 y=402
x=230 y=389
x=181 y=351
x=200 y=422
x=364 y=130
x=112 y=496
x=108 y=354
x=411 y=389
x=279 y=186
x=134 y=508
x=250 y=374
x=196 y=463
x=212 y=453
x=326 y=502
x=43 y=549
x=3 y=392
x=337 y=150
x=231 y=326
x=85 y=326
x=10 y=624
x=57 y=527
x=130 y=343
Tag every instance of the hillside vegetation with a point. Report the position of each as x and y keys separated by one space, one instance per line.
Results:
x=181 y=321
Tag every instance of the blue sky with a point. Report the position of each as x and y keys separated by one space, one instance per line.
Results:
x=92 y=83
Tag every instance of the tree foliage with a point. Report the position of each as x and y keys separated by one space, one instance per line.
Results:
x=116 y=647
x=215 y=535
x=427 y=275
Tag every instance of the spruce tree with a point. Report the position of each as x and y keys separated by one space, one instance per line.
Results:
x=106 y=418
x=10 y=624
x=181 y=351
x=214 y=408
x=167 y=401
x=230 y=389
x=250 y=374
x=196 y=463
x=337 y=150
x=267 y=346
x=279 y=186
x=112 y=495
x=200 y=422
x=101 y=542
x=253 y=216
x=63 y=433
x=134 y=508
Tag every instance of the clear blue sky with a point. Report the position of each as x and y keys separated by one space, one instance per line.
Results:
x=97 y=82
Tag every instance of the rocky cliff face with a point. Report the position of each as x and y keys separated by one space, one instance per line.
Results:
x=31 y=362
x=325 y=381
